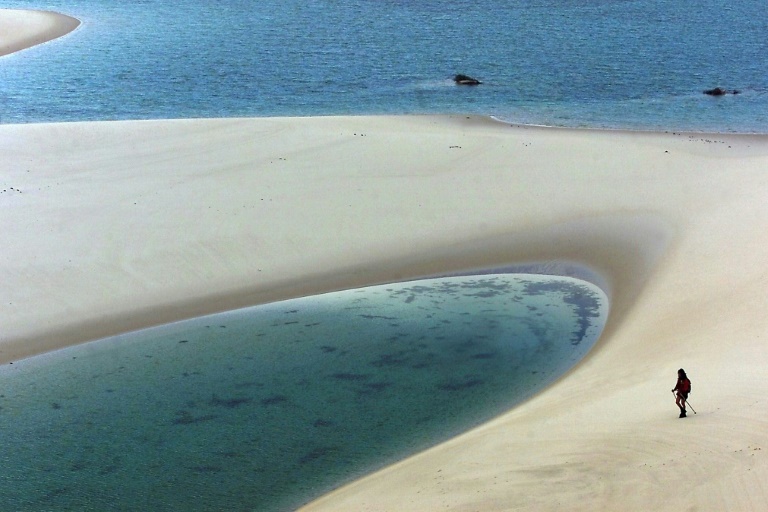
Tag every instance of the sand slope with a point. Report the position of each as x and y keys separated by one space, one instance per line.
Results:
x=20 y=29
x=108 y=227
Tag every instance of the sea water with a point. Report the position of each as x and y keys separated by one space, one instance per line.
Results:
x=268 y=407
x=639 y=64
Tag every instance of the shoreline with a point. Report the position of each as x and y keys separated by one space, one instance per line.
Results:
x=692 y=133
x=24 y=29
x=117 y=226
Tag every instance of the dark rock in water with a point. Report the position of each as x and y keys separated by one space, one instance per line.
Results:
x=466 y=80
x=719 y=91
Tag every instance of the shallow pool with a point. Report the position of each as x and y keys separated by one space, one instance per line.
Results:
x=268 y=407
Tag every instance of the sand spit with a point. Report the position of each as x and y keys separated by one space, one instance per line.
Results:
x=21 y=29
x=109 y=227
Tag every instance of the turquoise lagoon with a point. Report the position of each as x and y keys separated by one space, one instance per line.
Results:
x=267 y=407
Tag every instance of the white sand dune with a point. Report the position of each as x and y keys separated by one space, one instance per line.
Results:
x=108 y=227
x=20 y=29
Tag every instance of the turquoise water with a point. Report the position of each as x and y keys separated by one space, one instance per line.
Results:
x=267 y=407
x=639 y=64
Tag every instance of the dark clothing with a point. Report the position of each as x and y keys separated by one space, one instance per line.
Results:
x=683 y=387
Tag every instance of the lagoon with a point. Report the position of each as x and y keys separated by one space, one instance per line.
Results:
x=268 y=407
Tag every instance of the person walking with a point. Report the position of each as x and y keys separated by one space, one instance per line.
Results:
x=682 y=390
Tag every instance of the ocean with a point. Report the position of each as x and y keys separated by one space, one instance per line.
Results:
x=268 y=407
x=634 y=64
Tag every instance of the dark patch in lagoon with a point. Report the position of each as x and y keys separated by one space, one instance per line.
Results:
x=484 y=295
x=395 y=359
x=186 y=418
x=229 y=403
x=370 y=317
x=586 y=302
x=350 y=376
x=55 y=493
x=460 y=385
x=274 y=400
x=78 y=465
x=316 y=454
x=108 y=470
x=371 y=388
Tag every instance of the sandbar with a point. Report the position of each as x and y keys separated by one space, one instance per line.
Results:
x=21 y=29
x=114 y=226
